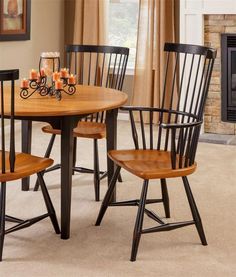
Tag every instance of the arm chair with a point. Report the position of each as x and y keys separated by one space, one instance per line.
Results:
x=14 y=165
x=166 y=149
x=102 y=66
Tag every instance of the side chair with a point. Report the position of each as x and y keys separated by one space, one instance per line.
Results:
x=167 y=148
x=15 y=165
x=103 y=66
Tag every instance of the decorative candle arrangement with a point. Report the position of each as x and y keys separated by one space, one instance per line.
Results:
x=60 y=79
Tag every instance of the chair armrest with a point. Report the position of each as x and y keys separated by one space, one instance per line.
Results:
x=180 y=125
x=154 y=109
x=141 y=108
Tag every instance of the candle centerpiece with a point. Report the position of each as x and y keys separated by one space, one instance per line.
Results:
x=50 y=79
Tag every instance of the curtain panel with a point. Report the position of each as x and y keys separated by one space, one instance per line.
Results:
x=156 y=25
x=91 y=22
x=87 y=24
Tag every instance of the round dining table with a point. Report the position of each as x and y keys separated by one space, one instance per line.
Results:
x=64 y=114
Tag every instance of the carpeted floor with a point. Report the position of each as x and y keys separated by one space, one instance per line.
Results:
x=105 y=250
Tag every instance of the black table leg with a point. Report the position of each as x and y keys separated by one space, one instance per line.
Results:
x=111 y=129
x=66 y=174
x=26 y=134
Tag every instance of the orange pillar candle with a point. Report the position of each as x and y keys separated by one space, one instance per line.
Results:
x=55 y=76
x=39 y=78
x=33 y=74
x=64 y=73
x=58 y=84
x=24 y=84
x=71 y=80
x=42 y=72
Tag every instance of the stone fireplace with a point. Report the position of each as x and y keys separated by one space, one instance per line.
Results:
x=203 y=22
x=214 y=26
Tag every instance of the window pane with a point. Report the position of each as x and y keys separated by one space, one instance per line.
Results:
x=123 y=21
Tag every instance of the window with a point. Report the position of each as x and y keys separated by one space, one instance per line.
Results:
x=123 y=23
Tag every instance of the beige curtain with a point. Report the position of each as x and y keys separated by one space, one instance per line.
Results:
x=156 y=26
x=91 y=22
x=90 y=27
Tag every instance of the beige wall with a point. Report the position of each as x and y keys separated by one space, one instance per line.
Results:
x=47 y=34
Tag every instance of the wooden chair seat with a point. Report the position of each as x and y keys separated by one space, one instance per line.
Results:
x=149 y=164
x=25 y=165
x=84 y=129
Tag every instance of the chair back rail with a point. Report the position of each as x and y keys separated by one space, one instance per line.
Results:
x=5 y=77
x=98 y=65
x=175 y=125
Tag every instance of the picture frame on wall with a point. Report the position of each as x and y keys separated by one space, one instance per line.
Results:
x=15 y=20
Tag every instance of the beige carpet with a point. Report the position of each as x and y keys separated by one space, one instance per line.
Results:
x=105 y=250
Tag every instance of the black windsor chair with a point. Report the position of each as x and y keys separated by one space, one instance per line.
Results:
x=102 y=66
x=167 y=149
x=17 y=165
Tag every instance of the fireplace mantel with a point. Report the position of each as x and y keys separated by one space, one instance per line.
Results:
x=191 y=17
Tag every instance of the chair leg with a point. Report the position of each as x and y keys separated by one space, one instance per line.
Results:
x=120 y=178
x=74 y=153
x=194 y=210
x=139 y=222
x=107 y=196
x=104 y=175
x=96 y=171
x=48 y=203
x=165 y=197
x=47 y=155
x=2 y=216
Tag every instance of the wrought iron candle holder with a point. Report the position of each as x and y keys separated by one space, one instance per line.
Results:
x=49 y=81
x=40 y=86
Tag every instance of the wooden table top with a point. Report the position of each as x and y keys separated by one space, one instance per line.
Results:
x=87 y=99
